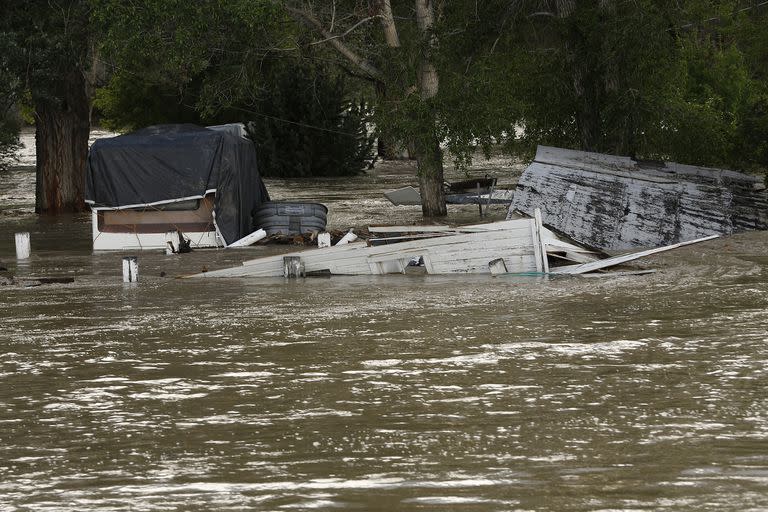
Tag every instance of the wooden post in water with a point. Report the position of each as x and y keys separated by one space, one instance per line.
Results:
x=479 y=202
x=22 y=246
x=293 y=266
x=130 y=269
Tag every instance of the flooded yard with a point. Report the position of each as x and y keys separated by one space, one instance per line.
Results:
x=382 y=393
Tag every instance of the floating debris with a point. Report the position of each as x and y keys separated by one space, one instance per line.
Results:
x=616 y=203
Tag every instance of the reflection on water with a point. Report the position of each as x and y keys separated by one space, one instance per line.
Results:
x=381 y=393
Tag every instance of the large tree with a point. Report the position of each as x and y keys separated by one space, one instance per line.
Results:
x=56 y=72
x=428 y=60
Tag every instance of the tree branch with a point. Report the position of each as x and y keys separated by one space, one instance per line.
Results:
x=340 y=36
x=364 y=65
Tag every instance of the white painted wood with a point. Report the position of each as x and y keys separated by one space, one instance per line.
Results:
x=248 y=239
x=572 y=256
x=94 y=226
x=617 y=260
x=323 y=240
x=565 y=250
x=293 y=267
x=349 y=237
x=468 y=243
x=405 y=238
x=461 y=253
x=149 y=241
x=538 y=256
x=389 y=267
x=497 y=267
x=409 y=229
x=538 y=242
x=327 y=254
x=172 y=242
x=130 y=269
x=472 y=228
x=23 y=248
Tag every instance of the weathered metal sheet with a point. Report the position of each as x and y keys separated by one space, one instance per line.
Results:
x=616 y=203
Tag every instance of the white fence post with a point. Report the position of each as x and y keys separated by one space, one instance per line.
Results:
x=293 y=266
x=324 y=240
x=22 y=246
x=130 y=269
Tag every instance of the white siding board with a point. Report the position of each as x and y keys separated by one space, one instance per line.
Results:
x=468 y=252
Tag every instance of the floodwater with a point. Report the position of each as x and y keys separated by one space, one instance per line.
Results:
x=378 y=393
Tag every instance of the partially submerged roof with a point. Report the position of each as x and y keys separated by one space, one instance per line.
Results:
x=167 y=163
x=618 y=203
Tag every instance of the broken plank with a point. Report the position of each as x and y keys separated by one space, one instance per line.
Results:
x=409 y=229
x=619 y=274
x=471 y=228
x=539 y=246
x=617 y=260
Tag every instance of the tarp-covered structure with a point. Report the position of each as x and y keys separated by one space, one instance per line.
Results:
x=169 y=163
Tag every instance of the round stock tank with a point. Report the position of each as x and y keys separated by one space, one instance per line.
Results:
x=290 y=218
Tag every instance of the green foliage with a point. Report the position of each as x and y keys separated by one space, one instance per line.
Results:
x=473 y=107
x=710 y=93
x=128 y=102
x=681 y=80
x=590 y=78
x=11 y=90
x=653 y=79
x=210 y=62
x=719 y=109
x=306 y=126
x=53 y=41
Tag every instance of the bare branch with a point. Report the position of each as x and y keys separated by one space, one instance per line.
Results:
x=353 y=27
x=364 y=65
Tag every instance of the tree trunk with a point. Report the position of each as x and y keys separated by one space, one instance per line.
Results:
x=429 y=156
x=61 y=141
x=430 y=162
x=588 y=108
x=388 y=24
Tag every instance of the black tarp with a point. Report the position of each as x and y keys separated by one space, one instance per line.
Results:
x=169 y=162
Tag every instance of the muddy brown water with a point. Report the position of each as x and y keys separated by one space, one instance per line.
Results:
x=378 y=393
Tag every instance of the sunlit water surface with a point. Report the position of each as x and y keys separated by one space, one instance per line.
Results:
x=377 y=393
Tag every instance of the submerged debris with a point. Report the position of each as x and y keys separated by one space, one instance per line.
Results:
x=616 y=203
x=30 y=282
x=521 y=246
x=310 y=239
